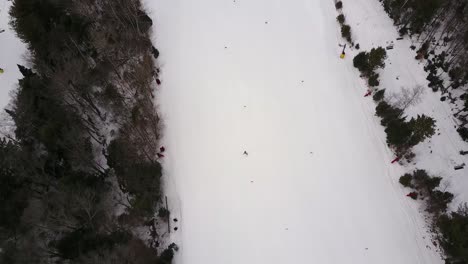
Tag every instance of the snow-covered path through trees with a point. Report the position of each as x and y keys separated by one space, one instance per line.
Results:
x=317 y=185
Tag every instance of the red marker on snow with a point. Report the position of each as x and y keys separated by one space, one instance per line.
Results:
x=160 y=155
x=396 y=159
x=413 y=195
x=158 y=81
x=368 y=93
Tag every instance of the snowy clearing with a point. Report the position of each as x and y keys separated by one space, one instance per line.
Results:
x=317 y=185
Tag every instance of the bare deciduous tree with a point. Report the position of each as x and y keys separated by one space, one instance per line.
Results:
x=407 y=97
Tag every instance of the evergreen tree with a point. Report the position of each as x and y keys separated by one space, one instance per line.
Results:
x=346 y=32
x=422 y=127
x=398 y=132
x=376 y=58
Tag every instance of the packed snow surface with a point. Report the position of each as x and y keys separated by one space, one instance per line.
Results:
x=11 y=53
x=317 y=185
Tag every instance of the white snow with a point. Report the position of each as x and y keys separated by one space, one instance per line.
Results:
x=265 y=77
x=317 y=185
x=372 y=28
x=11 y=53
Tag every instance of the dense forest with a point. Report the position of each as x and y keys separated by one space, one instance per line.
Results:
x=440 y=28
x=81 y=174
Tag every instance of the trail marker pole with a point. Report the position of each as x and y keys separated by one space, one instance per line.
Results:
x=168 y=218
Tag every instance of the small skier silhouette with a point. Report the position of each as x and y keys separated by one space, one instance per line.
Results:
x=245 y=153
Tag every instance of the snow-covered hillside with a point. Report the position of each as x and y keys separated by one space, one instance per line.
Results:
x=265 y=77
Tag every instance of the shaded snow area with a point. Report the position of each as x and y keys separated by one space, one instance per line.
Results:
x=11 y=53
x=317 y=185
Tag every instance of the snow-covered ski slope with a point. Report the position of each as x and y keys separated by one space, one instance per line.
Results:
x=317 y=185
x=11 y=53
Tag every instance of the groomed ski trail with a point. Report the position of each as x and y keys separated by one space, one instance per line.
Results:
x=317 y=187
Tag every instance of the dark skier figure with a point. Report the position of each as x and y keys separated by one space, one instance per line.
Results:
x=155 y=52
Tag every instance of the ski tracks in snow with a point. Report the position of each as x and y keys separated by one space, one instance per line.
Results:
x=316 y=185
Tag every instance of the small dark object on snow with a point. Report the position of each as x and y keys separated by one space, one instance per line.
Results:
x=251 y=181
x=389 y=47
x=400 y=38
x=2 y=30
x=413 y=195
x=459 y=167
x=175 y=220
x=339 y=5
x=157 y=70
x=158 y=81
x=463 y=152
x=396 y=159
x=443 y=98
x=155 y=52
x=160 y=155
x=245 y=153
x=368 y=93
x=266 y=22
x=175 y=228
x=162 y=149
